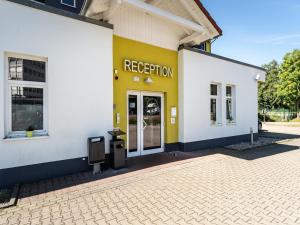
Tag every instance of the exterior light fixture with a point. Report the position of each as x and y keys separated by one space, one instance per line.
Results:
x=116 y=74
x=257 y=77
x=148 y=80
x=136 y=79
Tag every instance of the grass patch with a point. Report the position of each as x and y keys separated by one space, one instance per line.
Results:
x=295 y=120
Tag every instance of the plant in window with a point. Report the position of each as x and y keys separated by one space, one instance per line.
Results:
x=29 y=131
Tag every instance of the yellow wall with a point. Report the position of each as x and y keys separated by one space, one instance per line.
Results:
x=128 y=49
x=208 y=46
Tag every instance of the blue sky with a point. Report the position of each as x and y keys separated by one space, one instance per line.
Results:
x=256 y=31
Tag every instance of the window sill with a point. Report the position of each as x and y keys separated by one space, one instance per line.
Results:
x=231 y=123
x=20 y=138
x=216 y=124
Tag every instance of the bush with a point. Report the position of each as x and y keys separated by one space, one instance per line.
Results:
x=268 y=118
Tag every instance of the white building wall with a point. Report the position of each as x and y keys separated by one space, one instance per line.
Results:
x=80 y=85
x=196 y=72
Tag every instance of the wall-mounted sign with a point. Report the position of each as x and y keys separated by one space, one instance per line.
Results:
x=147 y=68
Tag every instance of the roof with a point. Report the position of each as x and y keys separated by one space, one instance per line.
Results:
x=209 y=17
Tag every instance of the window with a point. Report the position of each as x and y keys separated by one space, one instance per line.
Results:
x=71 y=3
x=230 y=104
x=215 y=104
x=201 y=46
x=26 y=95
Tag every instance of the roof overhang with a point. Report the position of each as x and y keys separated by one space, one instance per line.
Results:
x=199 y=27
x=153 y=10
x=209 y=17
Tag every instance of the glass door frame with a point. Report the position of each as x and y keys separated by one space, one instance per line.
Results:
x=140 y=133
x=154 y=150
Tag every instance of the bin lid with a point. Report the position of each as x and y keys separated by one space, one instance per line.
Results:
x=116 y=133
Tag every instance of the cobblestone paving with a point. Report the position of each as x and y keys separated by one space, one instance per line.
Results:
x=215 y=189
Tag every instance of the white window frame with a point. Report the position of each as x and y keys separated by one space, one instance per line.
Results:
x=63 y=3
x=233 y=104
x=218 y=98
x=8 y=98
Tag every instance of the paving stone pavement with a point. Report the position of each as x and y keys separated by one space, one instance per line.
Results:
x=215 y=189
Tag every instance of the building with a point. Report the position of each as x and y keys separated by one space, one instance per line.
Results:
x=74 y=6
x=131 y=64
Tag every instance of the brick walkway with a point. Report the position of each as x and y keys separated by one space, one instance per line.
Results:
x=253 y=187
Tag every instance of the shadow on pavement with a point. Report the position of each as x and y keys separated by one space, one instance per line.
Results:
x=137 y=166
x=267 y=134
x=261 y=152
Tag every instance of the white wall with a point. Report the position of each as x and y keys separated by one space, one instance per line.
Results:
x=80 y=85
x=196 y=72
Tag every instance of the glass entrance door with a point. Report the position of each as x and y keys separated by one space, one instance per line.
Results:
x=145 y=131
x=133 y=124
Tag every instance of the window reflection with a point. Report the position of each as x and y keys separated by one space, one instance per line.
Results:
x=26 y=70
x=230 y=104
x=152 y=122
x=27 y=108
x=213 y=110
x=132 y=113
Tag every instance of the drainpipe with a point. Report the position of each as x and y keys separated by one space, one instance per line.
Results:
x=251 y=135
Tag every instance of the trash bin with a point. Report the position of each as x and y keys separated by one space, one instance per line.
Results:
x=117 y=153
x=117 y=149
x=96 y=150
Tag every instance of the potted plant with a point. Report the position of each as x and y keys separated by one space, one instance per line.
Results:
x=29 y=131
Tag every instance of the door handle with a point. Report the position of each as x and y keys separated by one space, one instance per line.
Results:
x=144 y=124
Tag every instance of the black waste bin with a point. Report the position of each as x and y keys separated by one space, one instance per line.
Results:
x=96 y=150
x=117 y=149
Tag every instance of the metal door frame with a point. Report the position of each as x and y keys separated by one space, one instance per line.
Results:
x=140 y=134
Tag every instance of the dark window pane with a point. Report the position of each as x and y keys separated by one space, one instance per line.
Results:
x=201 y=46
x=69 y=2
x=27 y=108
x=213 y=110
x=228 y=91
x=132 y=114
x=213 y=89
x=26 y=70
x=229 y=109
x=152 y=122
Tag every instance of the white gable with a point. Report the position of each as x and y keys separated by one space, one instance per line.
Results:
x=164 y=23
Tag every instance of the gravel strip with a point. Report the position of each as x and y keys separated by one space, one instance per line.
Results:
x=262 y=141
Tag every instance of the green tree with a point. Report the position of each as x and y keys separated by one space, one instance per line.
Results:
x=288 y=88
x=267 y=91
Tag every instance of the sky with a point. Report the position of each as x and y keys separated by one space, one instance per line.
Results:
x=256 y=31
